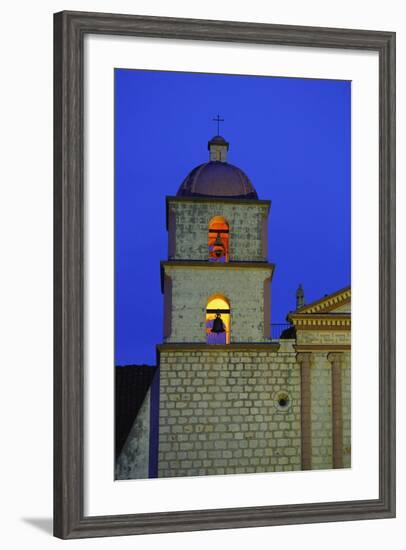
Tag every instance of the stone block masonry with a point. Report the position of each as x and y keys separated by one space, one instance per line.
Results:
x=326 y=409
x=324 y=337
x=189 y=220
x=192 y=287
x=321 y=412
x=229 y=411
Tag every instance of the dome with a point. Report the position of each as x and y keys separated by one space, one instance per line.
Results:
x=217 y=179
x=217 y=140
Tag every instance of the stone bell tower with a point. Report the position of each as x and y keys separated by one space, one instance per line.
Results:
x=217 y=256
x=222 y=384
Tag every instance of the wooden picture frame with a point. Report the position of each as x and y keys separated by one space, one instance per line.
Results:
x=70 y=29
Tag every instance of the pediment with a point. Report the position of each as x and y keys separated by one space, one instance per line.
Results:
x=337 y=302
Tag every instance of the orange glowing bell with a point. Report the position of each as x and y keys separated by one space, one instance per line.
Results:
x=218 y=247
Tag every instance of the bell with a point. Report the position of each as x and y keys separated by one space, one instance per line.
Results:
x=218 y=247
x=218 y=325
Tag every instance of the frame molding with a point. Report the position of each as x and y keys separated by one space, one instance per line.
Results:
x=69 y=31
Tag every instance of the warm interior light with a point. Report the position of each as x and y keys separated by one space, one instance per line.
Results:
x=216 y=303
x=218 y=231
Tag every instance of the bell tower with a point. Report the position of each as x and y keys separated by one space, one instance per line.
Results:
x=216 y=280
x=233 y=400
x=223 y=380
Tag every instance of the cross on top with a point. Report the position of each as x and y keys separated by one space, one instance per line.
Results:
x=218 y=119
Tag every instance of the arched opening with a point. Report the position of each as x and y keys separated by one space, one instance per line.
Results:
x=218 y=320
x=218 y=240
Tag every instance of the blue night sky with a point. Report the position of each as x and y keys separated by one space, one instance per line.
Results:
x=293 y=139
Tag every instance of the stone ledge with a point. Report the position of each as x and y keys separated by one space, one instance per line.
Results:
x=272 y=347
x=322 y=347
x=205 y=264
x=216 y=200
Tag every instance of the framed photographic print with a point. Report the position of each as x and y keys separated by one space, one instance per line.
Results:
x=224 y=274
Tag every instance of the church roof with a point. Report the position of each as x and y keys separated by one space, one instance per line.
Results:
x=131 y=386
x=330 y=303
x=332 y=312
x=217 y=179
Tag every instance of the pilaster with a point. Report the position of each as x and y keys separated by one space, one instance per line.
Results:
x=304 y=360
x=336 y=389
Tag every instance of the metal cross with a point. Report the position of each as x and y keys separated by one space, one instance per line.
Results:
x=218 y=120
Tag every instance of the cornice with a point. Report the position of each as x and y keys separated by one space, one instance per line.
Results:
x=180 y=347
x=322 y=321
x=216 y=200
x=327 y=348
x=204 y=264
x=327 y=303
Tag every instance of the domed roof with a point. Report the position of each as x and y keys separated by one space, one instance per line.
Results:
x=217 y=179
x=217 y=140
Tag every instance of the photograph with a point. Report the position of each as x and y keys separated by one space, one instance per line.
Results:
x=232 y=269
x=200 y=300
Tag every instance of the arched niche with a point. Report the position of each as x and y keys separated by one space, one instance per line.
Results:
x=218 y=306
x=218 y=240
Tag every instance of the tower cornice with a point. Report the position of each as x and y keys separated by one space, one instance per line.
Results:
x=182 y=347
x=214 y=200
x=218 y=265
x=204 y=264
x=172 y=198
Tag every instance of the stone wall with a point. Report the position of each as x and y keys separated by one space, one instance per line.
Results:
x=346 y=408
x=229 y=411
x=321 y=343
x=324 y=337
x=226 y=409
x=192 y=287
x=189 y=223
x=321 y=412
x=133 y=462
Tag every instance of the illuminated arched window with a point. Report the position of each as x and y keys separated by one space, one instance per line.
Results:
x=218 y=240
x=218 y=320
